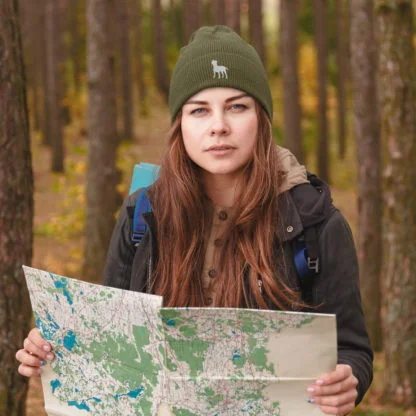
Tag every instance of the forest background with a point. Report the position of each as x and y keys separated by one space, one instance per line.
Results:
x=96 y=78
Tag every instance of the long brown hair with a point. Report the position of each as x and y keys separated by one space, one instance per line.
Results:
x=247 y=260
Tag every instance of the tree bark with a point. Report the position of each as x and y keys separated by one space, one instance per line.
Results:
x=139 y=57
x=219 y=6
x=16 y=210
x=76 y=41
x=102 y=174
x=46 y=128
x=192 y=16
x=363 y=54
x=367 y=136
x=233 y=14
x=177 y=22
x=126 y=79
x=320 y=9
x=342 y=63
x=161 y=68
x=32 y=45
x=398 y=128
x=255 y=23
x=54 y=83
x=289 y=65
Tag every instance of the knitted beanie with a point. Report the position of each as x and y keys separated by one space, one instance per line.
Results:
x=216 y=56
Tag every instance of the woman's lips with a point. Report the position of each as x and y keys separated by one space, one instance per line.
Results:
x=220 y=150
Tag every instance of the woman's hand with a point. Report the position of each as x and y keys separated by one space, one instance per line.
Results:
x=34 y=354
x=335 y=392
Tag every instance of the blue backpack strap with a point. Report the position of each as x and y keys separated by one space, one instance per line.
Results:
x=307 y=261
x=139 y=225
x=301 y=259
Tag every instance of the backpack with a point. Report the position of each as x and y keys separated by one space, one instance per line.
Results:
x=306 y=248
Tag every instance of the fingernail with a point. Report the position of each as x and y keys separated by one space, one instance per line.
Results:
x=43 y=362
x=50 y=357
x=319 y=382
x=46 y=348
x=311 y=400
x=310 y=390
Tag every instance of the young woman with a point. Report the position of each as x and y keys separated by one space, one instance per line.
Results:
x=227 y=211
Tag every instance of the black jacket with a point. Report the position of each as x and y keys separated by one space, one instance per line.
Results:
x=335 y=289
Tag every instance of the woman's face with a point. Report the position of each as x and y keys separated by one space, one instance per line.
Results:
x=219 y=130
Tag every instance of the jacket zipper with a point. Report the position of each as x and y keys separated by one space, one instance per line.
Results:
x=149 y=274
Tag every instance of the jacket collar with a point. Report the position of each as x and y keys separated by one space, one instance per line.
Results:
x=290 y=223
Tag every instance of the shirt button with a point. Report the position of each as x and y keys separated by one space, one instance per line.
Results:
x=218 y=242
x=222 y=215
x=289 y=229
x=212 y=273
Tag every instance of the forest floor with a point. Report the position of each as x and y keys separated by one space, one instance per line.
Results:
x=59 y=210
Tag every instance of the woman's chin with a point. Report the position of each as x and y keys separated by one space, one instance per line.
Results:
x=223 y=171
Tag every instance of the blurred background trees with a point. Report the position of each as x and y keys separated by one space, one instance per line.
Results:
x=97 y=79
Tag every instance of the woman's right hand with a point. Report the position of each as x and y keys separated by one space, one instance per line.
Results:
x=34 y=354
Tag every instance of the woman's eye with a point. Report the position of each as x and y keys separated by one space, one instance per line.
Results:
x=238 y=107
x=198 y=111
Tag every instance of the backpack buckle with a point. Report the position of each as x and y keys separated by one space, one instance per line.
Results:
x=137 y=237
x=313 y=264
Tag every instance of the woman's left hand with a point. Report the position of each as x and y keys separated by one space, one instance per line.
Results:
x=335 y=392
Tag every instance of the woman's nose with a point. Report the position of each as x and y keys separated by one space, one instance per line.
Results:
x=219 y=125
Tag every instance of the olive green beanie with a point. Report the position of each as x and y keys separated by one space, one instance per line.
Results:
x=216 y=56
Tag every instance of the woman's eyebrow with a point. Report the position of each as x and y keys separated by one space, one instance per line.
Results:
x=206 y=102
x=237 y=97
x=196 y=102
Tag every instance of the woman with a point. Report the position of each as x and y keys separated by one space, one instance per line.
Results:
x=227 y=210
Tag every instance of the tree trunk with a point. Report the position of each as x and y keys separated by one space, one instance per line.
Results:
x=255 y=22
x=289 y=65
x=219 y=6
x=177 y=22
x=64 y=7
x=76 y=40
x=16 y=210
x=30 y=23
x=139 y=57
x=126 y=79
x=54 y=83
x=367 y=137
x=192 y=12
x=192 y=16
x=398 y=128
x=233 y=14
x=320 y=9
x=342 y=63
x=161 y=68
x=102 y=174
x=46 y=128
x=38 y=57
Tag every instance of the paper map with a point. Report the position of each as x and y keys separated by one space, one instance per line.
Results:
x=120 y=353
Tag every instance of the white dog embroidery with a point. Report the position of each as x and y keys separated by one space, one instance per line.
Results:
x=219 y=69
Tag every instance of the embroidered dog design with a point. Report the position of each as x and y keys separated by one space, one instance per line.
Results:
x=219 y=69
